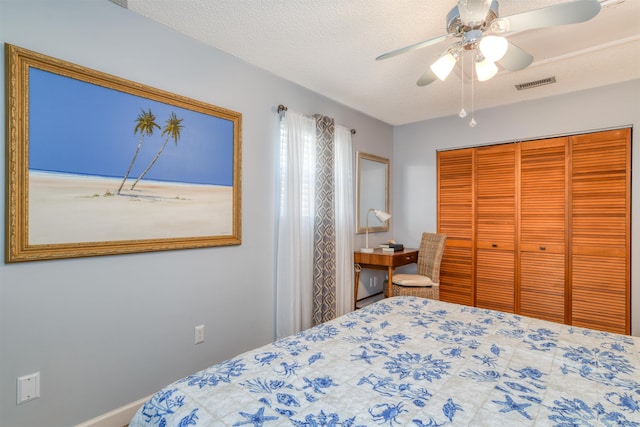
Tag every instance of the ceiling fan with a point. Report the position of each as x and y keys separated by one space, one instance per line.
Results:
x=480 y=29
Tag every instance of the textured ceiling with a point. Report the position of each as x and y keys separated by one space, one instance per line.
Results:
x=330 y=46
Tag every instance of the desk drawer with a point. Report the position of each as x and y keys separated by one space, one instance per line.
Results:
x=404 y=259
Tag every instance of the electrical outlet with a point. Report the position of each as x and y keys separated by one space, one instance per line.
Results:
x=199 y=334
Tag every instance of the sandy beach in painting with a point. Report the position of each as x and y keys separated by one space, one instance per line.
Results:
x=65 y=208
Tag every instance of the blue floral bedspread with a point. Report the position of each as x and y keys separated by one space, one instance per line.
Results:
x=416 y=362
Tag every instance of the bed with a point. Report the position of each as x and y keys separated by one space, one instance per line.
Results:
x=416 y=362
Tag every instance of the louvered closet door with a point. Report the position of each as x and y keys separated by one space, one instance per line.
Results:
x=543 y=221
x=600 y=241
x=495 y=226
x=455 y=219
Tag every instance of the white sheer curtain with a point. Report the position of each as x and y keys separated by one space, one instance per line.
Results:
x=345 y=220
x=294 y=276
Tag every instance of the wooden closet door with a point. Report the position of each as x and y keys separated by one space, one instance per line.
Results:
x=600 y=225
x=455 y=219
x=543 y=221
x=496 y=168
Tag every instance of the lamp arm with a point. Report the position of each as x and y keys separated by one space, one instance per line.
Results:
x=366 y=229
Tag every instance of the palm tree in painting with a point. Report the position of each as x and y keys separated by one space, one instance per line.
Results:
x=171 y=130
x=145 y=123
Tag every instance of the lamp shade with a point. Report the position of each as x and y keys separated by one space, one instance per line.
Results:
x=381 y=215
x=493 y=48
x=485 y=69
x=443 y=66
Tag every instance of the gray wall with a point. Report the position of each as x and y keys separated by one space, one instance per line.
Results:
x=415 y=145
x=106 y=331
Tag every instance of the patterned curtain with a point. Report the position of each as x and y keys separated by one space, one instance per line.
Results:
x=324 y=239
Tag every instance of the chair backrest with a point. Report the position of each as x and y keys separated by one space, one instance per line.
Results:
x=430 y=255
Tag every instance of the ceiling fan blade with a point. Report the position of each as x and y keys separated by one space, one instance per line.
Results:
x=427 y=77
x=414 y=46
x=515 y=59
x=562 y=14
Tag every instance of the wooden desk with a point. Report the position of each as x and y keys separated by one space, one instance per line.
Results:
x=379 y=260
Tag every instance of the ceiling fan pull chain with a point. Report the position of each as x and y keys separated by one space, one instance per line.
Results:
x=473 y=122
x=462 y=113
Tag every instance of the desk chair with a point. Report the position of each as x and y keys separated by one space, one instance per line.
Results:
x=426 y=282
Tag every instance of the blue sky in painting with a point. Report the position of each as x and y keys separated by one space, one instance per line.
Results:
x=81 y=128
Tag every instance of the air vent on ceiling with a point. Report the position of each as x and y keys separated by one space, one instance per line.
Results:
x=609 y=3
x=537 y=83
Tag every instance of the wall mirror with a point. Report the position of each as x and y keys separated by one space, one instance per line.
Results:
x=373 y=191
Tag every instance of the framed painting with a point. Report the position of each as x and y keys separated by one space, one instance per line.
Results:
x=99 y=165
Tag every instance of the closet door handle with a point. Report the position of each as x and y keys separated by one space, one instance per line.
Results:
x=494 y=245
x=542 y=248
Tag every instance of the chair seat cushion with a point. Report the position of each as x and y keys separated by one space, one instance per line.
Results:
x=412 y=280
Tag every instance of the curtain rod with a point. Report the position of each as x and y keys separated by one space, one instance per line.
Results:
x=282 y=108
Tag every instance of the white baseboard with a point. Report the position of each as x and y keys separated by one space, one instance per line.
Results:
x=118 y=417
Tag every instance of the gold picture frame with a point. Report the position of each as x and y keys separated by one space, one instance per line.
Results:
x=100 y=165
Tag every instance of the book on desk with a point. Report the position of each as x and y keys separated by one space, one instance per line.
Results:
x=392 y=247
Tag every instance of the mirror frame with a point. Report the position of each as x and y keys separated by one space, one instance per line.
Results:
x=372 y=171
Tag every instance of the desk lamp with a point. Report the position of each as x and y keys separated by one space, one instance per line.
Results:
x=382 y=217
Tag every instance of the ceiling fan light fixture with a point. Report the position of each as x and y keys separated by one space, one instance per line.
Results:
x=443 y=66
x=493 y=48
x=485 y=70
